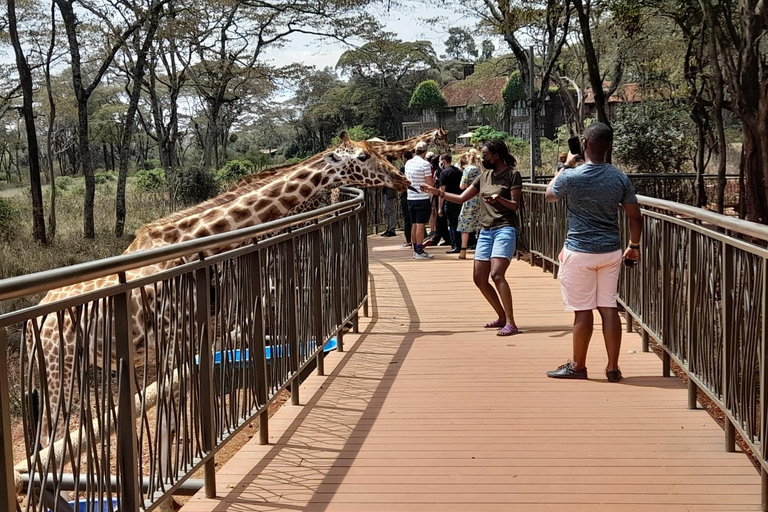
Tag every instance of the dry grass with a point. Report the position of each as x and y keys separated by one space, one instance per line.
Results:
x=20 y=254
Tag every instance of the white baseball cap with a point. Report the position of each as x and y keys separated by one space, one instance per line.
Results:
x=421 y=146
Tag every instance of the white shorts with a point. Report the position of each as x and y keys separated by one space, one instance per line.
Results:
x=589 y=280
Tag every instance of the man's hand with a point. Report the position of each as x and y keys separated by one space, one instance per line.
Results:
x=632 y=254
x=428 y=189
x=439 y=212
x=571 y=160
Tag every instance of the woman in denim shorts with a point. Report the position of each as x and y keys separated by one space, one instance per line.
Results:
x=500 y=186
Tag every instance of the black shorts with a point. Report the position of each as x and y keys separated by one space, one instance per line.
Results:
x=420 y=210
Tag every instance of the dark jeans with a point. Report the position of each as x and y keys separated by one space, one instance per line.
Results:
x=406 y=217
x=451 y=214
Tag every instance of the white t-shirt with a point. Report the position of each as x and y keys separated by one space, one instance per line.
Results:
x=417 y=170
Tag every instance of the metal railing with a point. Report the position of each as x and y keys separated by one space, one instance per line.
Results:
x=223 y=334
x=701 y=291
x=678 y=187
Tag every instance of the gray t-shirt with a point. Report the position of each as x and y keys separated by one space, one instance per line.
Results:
x=593 y=193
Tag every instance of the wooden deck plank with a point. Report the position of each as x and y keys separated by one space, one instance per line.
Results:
x=428 y=411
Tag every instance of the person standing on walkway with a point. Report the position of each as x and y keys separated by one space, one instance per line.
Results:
x=419 y=172
x=500 y=186
x=470 y=216
x=450 y=181
x=591 y=260
x=407 y=155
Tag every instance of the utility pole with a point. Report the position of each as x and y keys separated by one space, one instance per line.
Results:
x=531 y=107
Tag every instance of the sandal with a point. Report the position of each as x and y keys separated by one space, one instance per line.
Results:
x=496 y=324
x=508 y=330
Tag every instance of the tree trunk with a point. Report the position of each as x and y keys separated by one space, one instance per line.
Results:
x=699 y=161
x=25 y=78
x=754 y=166
x=51 y=124
x=209 y=147
x=130 y=119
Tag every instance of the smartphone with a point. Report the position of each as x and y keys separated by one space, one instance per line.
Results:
x=629 y=263
x=574 y=145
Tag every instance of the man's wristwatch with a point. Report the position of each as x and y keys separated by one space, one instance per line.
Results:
x=634 y=245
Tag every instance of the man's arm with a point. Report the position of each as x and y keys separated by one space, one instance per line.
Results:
x=551 y=196
x=635 y=230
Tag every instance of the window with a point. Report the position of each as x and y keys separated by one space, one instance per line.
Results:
x=519 y=109
x=428 y=116
x=461 y=114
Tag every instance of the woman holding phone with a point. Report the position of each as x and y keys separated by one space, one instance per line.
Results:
x=500 y=187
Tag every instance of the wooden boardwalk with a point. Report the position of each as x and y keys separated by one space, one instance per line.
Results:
x=427 y=411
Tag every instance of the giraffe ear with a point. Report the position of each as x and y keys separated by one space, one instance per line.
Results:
x=344 y=137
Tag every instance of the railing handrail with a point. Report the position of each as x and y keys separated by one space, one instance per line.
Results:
x=734 y=225
x=38 y=282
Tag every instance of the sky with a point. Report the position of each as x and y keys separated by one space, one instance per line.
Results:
x=408 y=23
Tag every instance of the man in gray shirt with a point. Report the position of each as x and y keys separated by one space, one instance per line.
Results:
x=591 y=260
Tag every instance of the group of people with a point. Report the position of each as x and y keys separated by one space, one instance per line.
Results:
x=430 y=220
x=468 y=197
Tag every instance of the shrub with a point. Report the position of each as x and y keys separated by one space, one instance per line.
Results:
x=104 y=177
x=653 y=137
x=151 y=181
x=64 y=182
x=195 y=185
x=235 y=170
x=486 y=133
x=151 y=163
x=9 y=220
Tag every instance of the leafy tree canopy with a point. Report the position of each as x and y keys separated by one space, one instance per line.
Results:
x=427 y=96
x=460 y=44
x=485 y=133
x=513 y=91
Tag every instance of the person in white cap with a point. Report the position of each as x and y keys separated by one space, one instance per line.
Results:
x=419 y=172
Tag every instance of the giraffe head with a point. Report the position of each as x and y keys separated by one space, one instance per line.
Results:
x=440 y=138
x=358 y=163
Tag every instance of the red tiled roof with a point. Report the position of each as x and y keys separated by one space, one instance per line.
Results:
x=626 y=93
x=462 y=93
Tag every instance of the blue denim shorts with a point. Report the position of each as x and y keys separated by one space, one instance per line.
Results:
x=496 y=243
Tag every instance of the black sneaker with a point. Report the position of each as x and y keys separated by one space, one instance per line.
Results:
x=455 y=250
x=614 y=375
x=567 y=371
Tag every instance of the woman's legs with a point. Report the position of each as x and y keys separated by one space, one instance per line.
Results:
x=497 y=271
x=481 y=273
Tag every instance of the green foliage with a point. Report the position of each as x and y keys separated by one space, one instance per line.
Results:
x=487 y=50
x=485 y=133
x=356 y=133
x=195 y=185
x=151 y=163
x=104 y=177
x=9 y=220
x=513 y=91
x=460 y=44
x=235 y=170
x=517 y=146
x=653 y=137
x=150 y=181
x=64 y=182
x=427 y=96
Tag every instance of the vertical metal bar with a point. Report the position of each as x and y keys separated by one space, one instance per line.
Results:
x=259 y=357
x=293 y=327
x=628 y=319
x=644 y=341
x=317 y=298
x=689 y=298
x=665 y=363
x=692 y=390
x=127 y=448
x=337 y=284
x=207 y=421
x=356 y=323
x=531 y=116
x=663 y=334
x=763 y=490
x=727 y=315
x=7 y=485
x=763 y=365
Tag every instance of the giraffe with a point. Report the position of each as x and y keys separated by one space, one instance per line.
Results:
x=438 y=137
x=259 y=199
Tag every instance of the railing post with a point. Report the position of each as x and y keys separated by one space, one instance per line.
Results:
x=763 y=490
x=293 y=331
x=644 y=341
x=691 y=313
x=317 y=298
x=692 y=391
x=663 y=332
x=726 y=303
x=259 y=350
x=764 y=379
x=628 y=319
x=127 y=447
x=665 y=363
x=7 y=485
x=203 y=300
x=336 y=283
